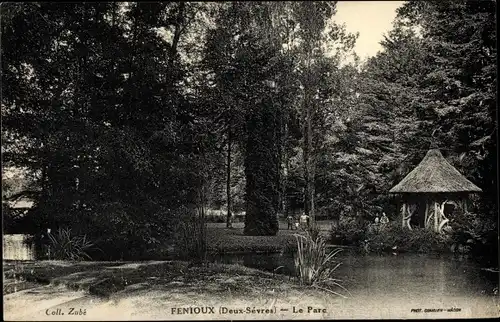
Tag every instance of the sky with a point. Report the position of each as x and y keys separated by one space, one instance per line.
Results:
x=372 y=19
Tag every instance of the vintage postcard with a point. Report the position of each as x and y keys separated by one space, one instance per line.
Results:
x=238 y=160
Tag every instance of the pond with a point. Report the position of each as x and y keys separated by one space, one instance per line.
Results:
x=405 y=281
x=280 y=263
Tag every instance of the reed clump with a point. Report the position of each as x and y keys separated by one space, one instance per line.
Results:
x=314 y=265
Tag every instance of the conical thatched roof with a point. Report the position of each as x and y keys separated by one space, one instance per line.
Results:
x=434 y=175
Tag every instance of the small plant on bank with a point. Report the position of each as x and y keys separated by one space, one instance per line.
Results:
x=313 y=265
x=64 y=246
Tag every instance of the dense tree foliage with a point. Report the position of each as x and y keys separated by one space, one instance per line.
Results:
x=458 y=96
x=130 y=116
x=432 y=86
x=92 y=100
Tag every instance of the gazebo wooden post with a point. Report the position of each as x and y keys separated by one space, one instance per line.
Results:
x=430 y=214
x=410 y=214
x=436 y=216
x=426 y=212
x=403 y=215
x=407 y=213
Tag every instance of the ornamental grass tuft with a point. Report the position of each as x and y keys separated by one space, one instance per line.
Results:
x=315 y=266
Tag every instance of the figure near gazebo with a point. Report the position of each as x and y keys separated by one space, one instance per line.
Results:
x=428 y=189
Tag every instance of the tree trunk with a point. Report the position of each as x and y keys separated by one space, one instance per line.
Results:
x=228 y=172
x=308 y=156
x=113 y=15
x=201 y=227
x=177 y=33
x=312 y=215
x=284 y=194
x=262 y=172
x=306 y=151
x=134 y=45
x=308 y=136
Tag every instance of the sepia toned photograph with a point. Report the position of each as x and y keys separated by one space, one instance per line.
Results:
x=240 y=160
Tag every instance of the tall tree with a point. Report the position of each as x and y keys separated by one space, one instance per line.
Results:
x=249 y=74
x=321 y=45
x=92 y=101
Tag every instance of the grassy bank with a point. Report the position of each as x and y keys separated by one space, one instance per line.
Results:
x=19 y=275
x=105 y=279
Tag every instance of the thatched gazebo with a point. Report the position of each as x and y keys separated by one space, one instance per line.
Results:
x=430 y=189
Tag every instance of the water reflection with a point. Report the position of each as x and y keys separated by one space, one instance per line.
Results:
x=416 y=275
x=406 y=275
x=280 y=263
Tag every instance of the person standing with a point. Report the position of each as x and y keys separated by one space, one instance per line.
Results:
x=384 y=220
x=376 y=225
x=303 y=221
x=290 y=221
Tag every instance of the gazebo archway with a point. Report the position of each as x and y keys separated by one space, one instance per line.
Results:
x=430 y=212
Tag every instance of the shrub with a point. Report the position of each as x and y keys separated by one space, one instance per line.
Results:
x=129 y=232
x=313 y=265
x=474 y=232
x=394 y=238
x=348 y=232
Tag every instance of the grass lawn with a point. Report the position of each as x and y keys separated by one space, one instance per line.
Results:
x=324 y=226
x=223 y=240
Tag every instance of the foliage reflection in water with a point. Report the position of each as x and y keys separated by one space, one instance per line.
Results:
x=407 y=275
